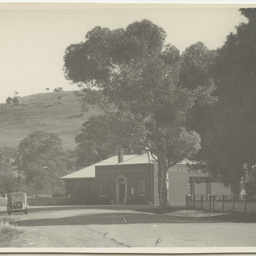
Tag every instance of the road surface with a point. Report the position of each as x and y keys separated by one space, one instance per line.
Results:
x=75 y=226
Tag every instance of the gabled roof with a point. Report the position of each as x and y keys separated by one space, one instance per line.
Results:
x=89 y=172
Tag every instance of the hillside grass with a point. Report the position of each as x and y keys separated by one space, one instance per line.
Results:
x=56 y=112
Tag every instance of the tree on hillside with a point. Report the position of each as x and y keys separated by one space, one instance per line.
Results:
x=8 y=100
x=231 y=143
x=140 y=74
x=58 y=89
x=16 y=101
x=43 y=161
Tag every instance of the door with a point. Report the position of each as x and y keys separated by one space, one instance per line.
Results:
x=122 y=194
x=121 y=190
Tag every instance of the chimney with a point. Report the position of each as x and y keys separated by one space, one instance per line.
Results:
x=120 y=156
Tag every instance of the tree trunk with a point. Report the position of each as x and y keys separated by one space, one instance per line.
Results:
x=162 y=171
x=236 y=186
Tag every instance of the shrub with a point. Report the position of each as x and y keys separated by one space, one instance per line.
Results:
x=7 y=229
x=15 y=101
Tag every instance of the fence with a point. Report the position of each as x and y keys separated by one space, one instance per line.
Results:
x=47 y=201
x=41 y=201
x=221 y=204
x=3 y=201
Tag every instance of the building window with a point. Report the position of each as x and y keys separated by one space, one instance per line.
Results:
x=142 y=187
x=103 y=188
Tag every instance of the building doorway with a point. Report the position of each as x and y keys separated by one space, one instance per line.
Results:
x=121 y=190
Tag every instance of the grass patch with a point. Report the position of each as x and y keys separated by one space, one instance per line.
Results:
x=7 y=229
x=8 y=232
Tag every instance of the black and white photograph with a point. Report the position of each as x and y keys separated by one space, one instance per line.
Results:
x=127 y=127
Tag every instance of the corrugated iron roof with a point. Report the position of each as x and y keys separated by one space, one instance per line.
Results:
x=89 y=172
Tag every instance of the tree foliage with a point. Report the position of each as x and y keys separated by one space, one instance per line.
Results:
x=195 y=74
x=37 y=144
x=16 y=100
x=9 y=100
x=103 y=135
x=9 y=182
x=7 y=178
x=231 y=140
x=43 y=161
x=145 y=78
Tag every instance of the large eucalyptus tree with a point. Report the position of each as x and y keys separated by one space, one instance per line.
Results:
x=134 y=69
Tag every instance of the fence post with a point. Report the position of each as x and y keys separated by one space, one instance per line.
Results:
x=193 y=198
x=213 y=204
x=245 y=206
x=186 y=201
x=202 y=198
x=210 y=203
x=223 y=203
x=234 y=199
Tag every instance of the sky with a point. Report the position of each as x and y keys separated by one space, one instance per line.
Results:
x=34 y=39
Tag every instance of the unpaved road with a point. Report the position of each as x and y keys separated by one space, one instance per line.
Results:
x=75 y=226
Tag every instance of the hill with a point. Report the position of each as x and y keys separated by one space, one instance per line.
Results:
x=58 y=112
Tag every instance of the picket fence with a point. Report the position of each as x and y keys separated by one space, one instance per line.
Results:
x=3 y=201
x=220 y=204
x=45 y=201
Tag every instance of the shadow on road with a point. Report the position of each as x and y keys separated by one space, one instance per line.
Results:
x=115 y=218
x=105 y=216
x=3 y=210
x=49 y=208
